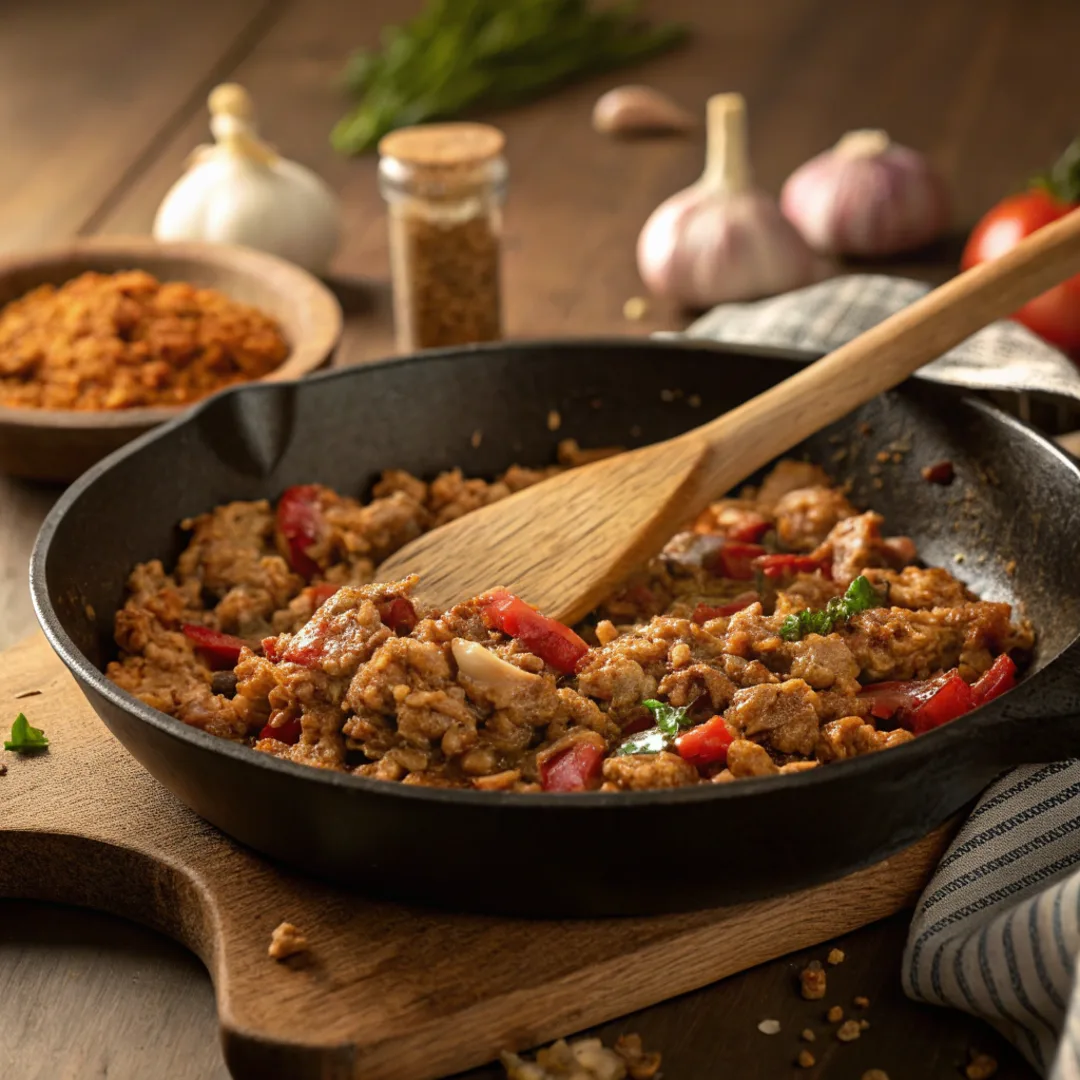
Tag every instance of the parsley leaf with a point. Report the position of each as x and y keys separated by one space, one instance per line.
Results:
x=670 y=720
x=25 y=738
x=860 y=596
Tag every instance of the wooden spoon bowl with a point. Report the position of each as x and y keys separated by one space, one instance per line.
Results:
x=60 y=444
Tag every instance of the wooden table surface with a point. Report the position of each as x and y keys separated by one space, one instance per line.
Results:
x=100 y=104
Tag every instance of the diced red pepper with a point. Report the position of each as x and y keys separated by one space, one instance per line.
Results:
x=996 y=680
x=553 y=642
x=322 y=592
x=777 y=566
x=705 y=744
x=576 y=769
x=704 y=612
x=751 y=530
x=299 y=520
x=289 y=732
x=735 y=560
x=220 y=651
x=398 y=614
x=952 y=700
x=942 y=472
x=270 y=649
x=889 y=699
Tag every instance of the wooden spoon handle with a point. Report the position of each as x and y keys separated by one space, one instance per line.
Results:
x=743 y=440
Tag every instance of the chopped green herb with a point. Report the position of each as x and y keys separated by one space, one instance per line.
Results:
x=670 y=720
x=860 y=596
x=25 y=738
x=456 y=53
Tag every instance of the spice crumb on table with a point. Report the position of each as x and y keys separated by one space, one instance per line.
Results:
x=836 y=956
x=812 y=981
x=981 y=1066
x=835 y=1014
x=285 y=941
x=849 y=1031
x=805 y=1060
x=586 y=1059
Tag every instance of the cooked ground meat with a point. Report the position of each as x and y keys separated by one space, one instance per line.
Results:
x=271 y=631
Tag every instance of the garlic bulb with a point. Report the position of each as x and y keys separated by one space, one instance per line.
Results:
x=867 y=196
x=722 y=239
x=239 y=191
x=629 y=110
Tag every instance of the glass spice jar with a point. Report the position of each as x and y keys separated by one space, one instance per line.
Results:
x=444 y=186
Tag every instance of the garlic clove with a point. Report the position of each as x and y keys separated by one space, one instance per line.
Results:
x=723 y=240
x=628 y=110
x=240 y=191
x=867 y=196
x=481 y=664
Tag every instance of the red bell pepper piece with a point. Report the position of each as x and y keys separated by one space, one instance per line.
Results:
x=704 y=612
x=576 y=769
x=887 y=699
x=398 y=614
x=220 y=651
x=735 y=560
x=289 y=732
x=300 y=523
x=553 y=642
x=999 y=677
x=322 y=592
x=705 y=744
x=952 y=700
x=270 y=649
x=777 y=566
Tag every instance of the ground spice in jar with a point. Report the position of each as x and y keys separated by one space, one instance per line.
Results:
x=444 y=185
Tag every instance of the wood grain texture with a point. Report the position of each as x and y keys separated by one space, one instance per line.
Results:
x=564 y=544
x=386 y=991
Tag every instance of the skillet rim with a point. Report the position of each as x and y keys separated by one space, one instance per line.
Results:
x=87 y=674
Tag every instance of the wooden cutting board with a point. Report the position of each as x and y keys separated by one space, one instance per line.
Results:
x=385 y=991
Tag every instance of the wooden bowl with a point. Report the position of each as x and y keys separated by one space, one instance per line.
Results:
x=60 y=444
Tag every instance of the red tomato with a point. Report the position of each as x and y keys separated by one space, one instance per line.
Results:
x=299 y=521
x=1055 y=315
x=221 y=651
x=553 y=642
x=704 y=612
x=288 y=733
x=952 y=700
x=576 y=769
x=705 y=744
x=398 y=614
x=776 y=566
x=735 y=560
x=999 y=677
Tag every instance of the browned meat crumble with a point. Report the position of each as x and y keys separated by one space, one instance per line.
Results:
x=271 y=631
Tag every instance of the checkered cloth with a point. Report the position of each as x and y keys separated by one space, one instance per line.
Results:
x=997 y=931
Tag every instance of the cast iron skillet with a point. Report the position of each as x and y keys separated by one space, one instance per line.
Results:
x=1014 y=501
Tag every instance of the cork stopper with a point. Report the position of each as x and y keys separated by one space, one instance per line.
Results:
x=443 y=147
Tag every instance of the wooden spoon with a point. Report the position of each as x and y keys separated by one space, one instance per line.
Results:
x=564 y=544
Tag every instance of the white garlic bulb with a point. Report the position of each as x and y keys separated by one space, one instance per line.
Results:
x=867 y=196
x=722 y=239
x=239 y=191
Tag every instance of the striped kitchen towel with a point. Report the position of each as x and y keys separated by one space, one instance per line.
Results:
x=997 y=931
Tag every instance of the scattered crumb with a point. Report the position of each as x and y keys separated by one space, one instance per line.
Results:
x=694 y=401
x=3 y=770
x=848 y=1031
x=812 y=982
x=897 y=457
x=1010 y=567
x=805 y=1060
x=981 y=1066
x=835 y=1015
x=861 y=1001
x=839 y=455
x=585 y=1059
x=635 y=431
x=807 y=1035
x=875 y=1074
x=882 y=456
x=769 y=1027
x=958 y=557
x=864 y=1024
x=878 y=483
x=26 y=694
x=942 y=473
x=91 y=614
x=286 y=941
x=635 y=309
x=670 y=395
x=836 y=956
x=864 y=429
x=476 y=439
x=554 y=420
